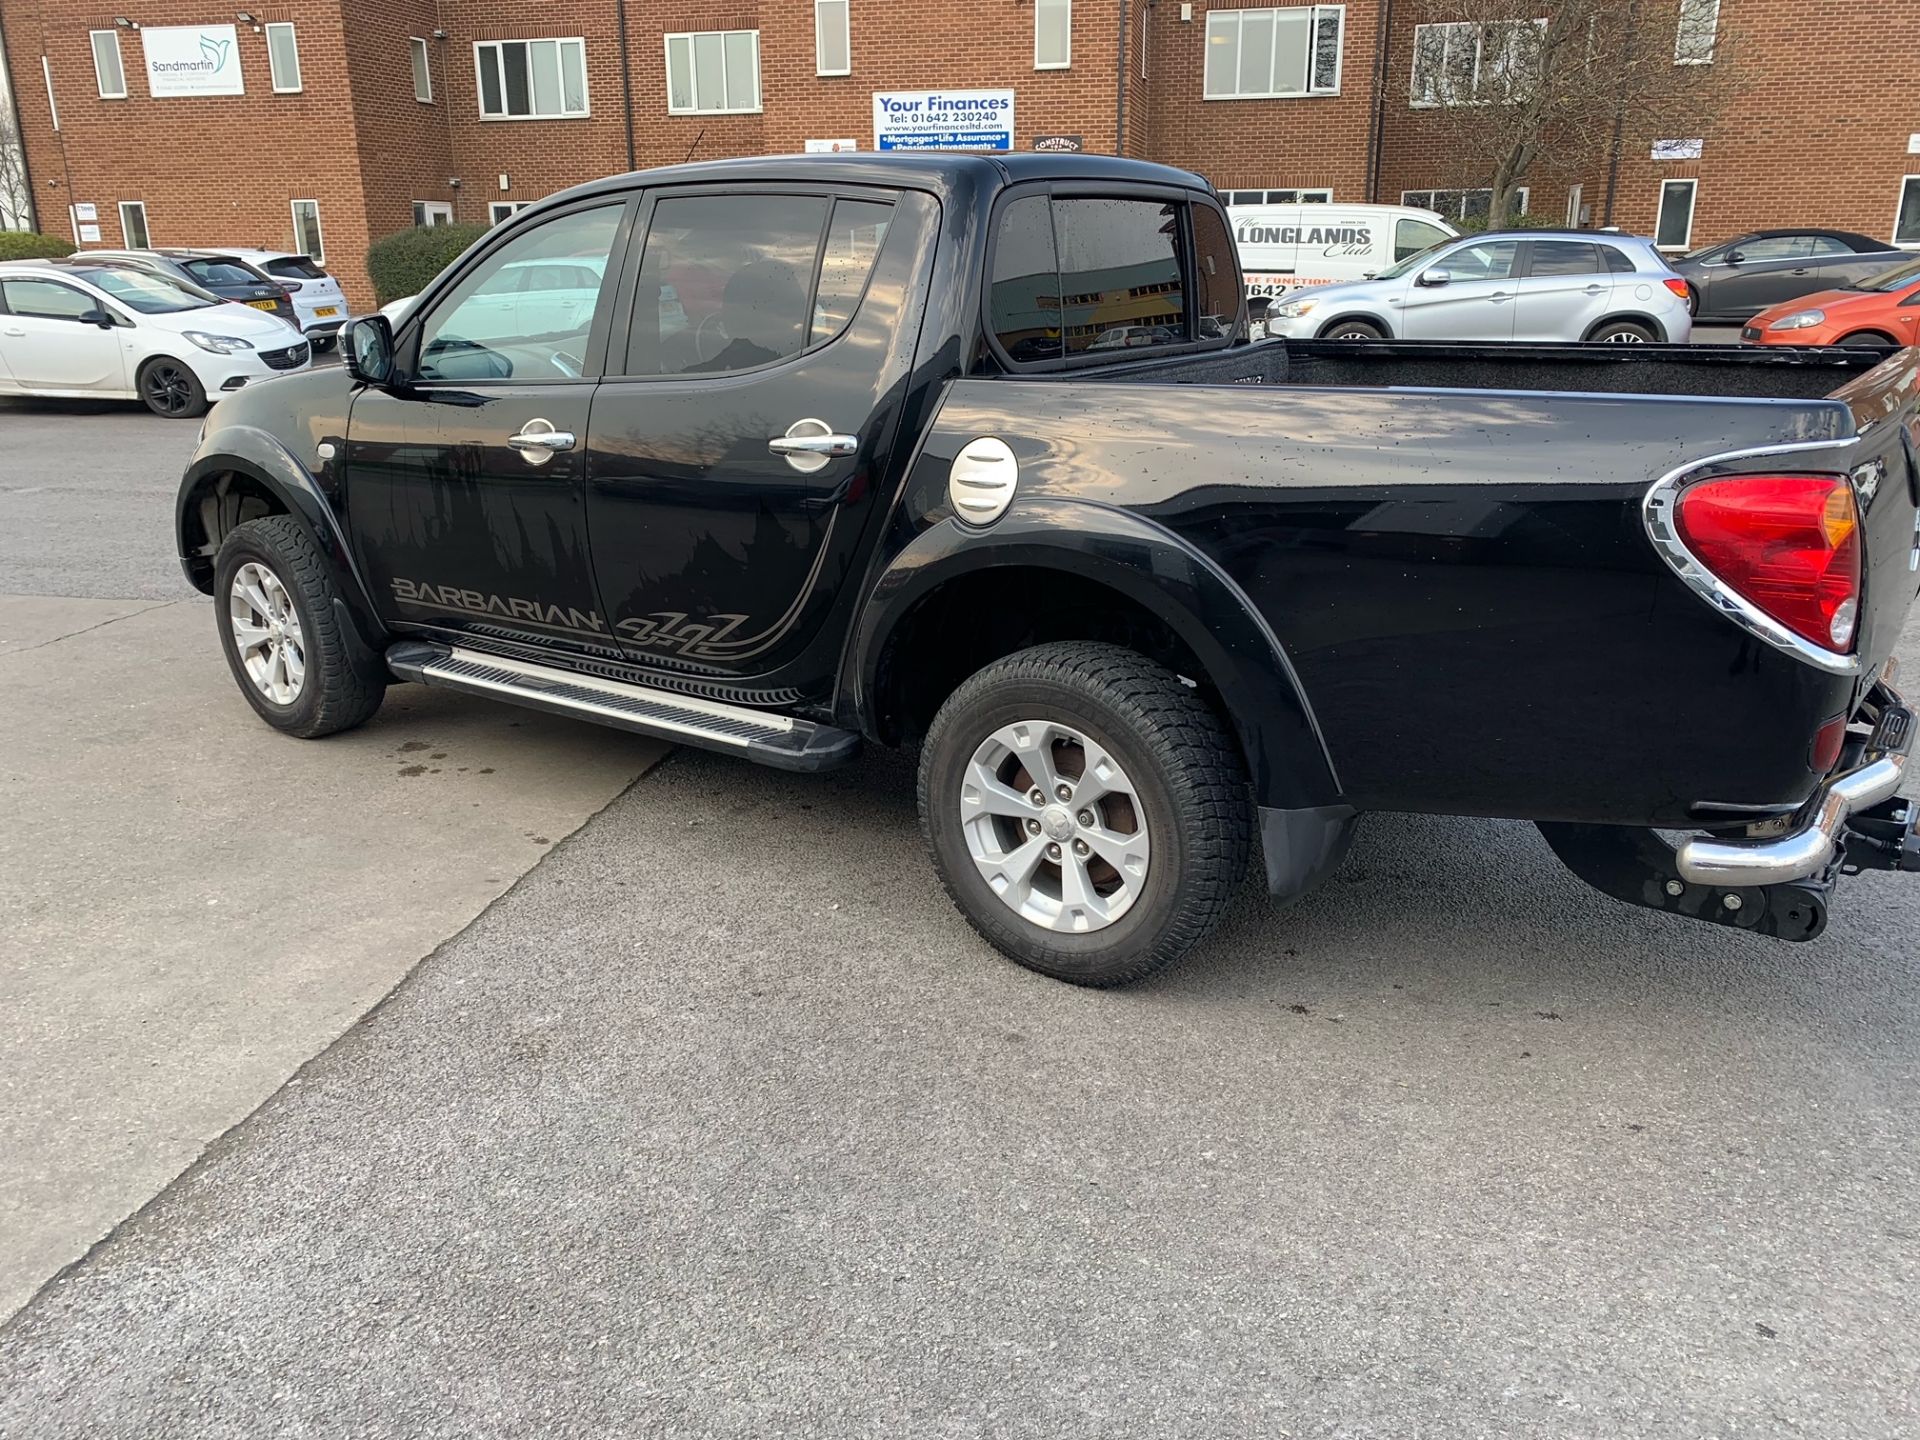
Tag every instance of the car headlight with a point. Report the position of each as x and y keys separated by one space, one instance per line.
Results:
x=1800 y=320
x=1294 y=309
x=218 y=344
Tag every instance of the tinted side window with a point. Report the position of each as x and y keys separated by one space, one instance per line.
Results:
x=724 y=281
x=1489 y=260
x=1827 y=245
x=1216 y=279
x=853 y=243
x=1565 y=257
x=1776 y=247
x=1410 y=237
x=1119 y=274
x=1024 y=299
x=1618 y=261
x=46 y=299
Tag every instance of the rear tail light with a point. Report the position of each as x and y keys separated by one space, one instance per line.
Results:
x=1790 y=544
x=290 y=286
x=1827 y=741
x=1676 y=285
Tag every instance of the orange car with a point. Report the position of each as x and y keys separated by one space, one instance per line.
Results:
x=1880 y=312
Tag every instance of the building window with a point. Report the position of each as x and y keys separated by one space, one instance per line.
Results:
x=1469 y=62
x=1460 y=205
x=133 y=225
x=283 y=59
x=1906 y=221
x=1052 y=34
x=1276 y=197
x=498 y=210
x=107 y=68
x=422 y=70
x=832 y=42
x=306 y=230
x=432 y=212
x=1694 y=36
x=532 y=79
x=1674 y=229
x=713 y=72
x=1273 y=54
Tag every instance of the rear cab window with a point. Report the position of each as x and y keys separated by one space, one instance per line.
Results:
x=1089 y=279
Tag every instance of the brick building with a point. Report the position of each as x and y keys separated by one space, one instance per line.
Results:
x=378 y=114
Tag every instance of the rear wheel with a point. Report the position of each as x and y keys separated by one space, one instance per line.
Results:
x=1622 y=332
x=1693 y=301
x=1869 y=340
x=1351 y=330
x=171 y=390
x=1087 y=812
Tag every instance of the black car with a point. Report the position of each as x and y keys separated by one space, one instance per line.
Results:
x=1737 y=280
x=791 y=476
x=227 y=276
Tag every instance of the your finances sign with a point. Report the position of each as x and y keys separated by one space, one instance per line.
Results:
x=943 y=120
x=192 y=60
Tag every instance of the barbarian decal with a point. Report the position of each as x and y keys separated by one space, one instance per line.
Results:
x=510 y=608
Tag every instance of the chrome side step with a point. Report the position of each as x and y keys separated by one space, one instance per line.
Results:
x=761 y=735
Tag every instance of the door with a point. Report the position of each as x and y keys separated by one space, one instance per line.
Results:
x=735 y=461
x=1758 y=273
x=1841 y=265
x=464 y=487
x=50 y=344
x=1565 y=289
x=1463 y=294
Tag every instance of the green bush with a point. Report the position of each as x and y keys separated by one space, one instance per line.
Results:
x=32 y=245
x=403 y=264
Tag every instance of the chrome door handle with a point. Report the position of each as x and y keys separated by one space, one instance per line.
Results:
x=538 y=442
x=814 y=444
x=15 y=333
x=1596 y=289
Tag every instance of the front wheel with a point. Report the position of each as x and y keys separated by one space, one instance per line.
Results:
x=171 y=390
x=1622 y=332
x=273 y=596
x=1351 y=330
x=1087 y=812
x=1867 y=340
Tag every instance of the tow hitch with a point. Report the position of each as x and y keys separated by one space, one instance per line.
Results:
x=1887 y=837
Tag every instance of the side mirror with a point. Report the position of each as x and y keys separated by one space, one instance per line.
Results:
x=1734 y=257
x=368 y=349
x=97 y=317
x=1439 y=275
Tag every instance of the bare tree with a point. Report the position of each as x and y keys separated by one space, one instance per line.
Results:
x=16 y=199
x=1523 y=88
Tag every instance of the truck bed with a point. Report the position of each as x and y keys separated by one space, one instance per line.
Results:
x=1719 y=371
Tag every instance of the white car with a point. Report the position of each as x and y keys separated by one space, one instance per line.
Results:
x=85 y=329
x=1536 y=286
x=317 y=297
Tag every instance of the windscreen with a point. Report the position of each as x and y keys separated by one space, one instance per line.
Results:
x=150 y=294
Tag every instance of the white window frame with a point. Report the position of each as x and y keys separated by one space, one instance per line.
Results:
x=1899 y=204
x=497 y=47
x=819 y=33
x=420 y=57
x=273 y=70
x=1525 y=192
x=1300 y=193
x=429 y=209
x=46 y=74
x=1038 y=63
x=1707 y=23
x=119 y=63
x=146 y=235
x=1660 y=204
x=1573 y=206
x=319 y=254
x=1313 y=13
x=500 y=210
x=1479 y=28
x=759 y=94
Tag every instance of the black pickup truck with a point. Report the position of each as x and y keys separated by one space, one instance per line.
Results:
x=774 y=456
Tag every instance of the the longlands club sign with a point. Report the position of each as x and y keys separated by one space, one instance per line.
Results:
x=192 y=60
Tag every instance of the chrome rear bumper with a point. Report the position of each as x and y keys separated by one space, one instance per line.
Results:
x=1808 y=847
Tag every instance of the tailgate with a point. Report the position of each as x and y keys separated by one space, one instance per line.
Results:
x=1885 y=464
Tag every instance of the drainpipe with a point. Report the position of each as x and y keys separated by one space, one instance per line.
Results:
x=626 y=78
x=1120 y=98
x=1377 y=122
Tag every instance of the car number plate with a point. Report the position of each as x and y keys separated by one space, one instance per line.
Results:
x=264 y=304
x=326 y=312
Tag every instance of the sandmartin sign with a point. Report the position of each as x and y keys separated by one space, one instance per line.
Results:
x=192 y=60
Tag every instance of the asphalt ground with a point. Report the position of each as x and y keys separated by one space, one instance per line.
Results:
x=720 y=1121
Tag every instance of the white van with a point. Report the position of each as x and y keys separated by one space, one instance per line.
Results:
x=1285 y=247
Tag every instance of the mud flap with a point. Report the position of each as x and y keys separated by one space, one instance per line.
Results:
x=1638 y=866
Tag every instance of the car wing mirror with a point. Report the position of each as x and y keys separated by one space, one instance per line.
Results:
x=1734 y=257
x=1438 y=275
x=367 y=349
x=98 y=317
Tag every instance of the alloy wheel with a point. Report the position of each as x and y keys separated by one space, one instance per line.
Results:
x=1055 y=826
x=266 y=633
x=168 y=388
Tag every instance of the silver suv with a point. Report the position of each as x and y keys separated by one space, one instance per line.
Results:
x=1527 y=285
